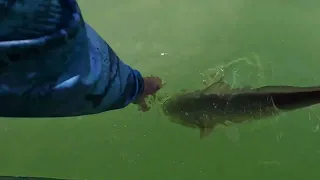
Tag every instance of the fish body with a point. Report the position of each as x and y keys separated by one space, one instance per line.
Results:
x=220 y=104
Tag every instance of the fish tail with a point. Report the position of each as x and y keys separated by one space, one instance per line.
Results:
x=296 y=100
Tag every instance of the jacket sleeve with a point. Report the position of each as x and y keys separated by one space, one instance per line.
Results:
x=118 y=84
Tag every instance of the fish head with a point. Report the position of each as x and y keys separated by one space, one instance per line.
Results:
x=187 y=108
x=185 y=111
x=181 y=110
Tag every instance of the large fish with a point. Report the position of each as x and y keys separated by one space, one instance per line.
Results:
x=219 y=104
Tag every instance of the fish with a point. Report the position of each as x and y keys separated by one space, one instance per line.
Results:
x=219 y=103
x=27 y=178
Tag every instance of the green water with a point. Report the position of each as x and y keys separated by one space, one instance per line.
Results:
x=195 y=36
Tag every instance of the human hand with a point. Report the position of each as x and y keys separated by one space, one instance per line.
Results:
x=152 y=85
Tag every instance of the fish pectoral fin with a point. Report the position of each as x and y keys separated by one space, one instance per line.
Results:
x=204 y=132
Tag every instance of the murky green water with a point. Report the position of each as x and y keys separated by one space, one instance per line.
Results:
x=179 y=40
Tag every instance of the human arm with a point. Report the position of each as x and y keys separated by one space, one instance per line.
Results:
x=118 y=84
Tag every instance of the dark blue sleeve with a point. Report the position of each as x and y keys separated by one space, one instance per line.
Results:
x=133 y=88
x=118 y=84
x=123 y=87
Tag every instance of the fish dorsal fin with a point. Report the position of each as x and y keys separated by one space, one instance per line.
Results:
x=284 y=89
x=222 y=88
x=219 y=87
x=267 y=89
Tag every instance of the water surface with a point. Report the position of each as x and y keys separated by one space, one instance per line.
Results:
x=178 y=41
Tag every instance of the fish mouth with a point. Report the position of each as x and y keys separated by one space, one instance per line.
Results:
x=168 y=109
